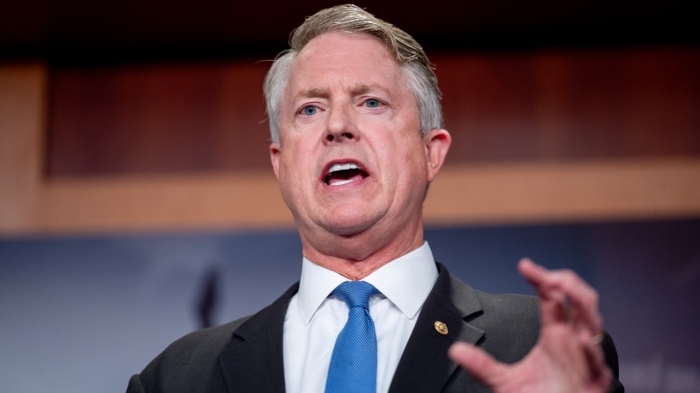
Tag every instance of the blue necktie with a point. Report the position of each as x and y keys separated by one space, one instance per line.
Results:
x=354 y=362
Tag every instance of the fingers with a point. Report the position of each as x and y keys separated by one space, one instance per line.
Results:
x=598 y=368
x=553 y=308
x=567 y=300
x=477 y=362
x=556 y=288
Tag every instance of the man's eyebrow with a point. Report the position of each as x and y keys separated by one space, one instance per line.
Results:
x=364 y=88
x=360 y=88
x=314 y=92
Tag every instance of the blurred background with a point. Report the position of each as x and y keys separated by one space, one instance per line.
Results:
x=137 y=201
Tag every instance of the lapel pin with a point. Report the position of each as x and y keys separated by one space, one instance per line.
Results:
x=440 y=327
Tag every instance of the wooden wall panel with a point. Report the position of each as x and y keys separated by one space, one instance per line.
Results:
x=538 y=137
x=572 y=105
x=624 y=190
x=523 y=107
x=158 y=119
x=22 y=126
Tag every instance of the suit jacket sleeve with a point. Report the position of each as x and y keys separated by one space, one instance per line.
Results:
x=135 y=385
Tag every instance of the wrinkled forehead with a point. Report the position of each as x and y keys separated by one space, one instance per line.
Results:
x=355 y=59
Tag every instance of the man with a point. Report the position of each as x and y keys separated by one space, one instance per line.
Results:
x=355 y=118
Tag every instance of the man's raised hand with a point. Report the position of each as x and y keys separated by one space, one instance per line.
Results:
x=567 y=357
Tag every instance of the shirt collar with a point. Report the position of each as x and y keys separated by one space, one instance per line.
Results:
x=405 y=281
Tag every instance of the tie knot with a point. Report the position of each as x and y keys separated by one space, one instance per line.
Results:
x=355 y=293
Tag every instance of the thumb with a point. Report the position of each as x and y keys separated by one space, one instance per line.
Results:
x=477 y=362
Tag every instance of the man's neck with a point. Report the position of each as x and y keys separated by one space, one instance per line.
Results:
x=356 y=258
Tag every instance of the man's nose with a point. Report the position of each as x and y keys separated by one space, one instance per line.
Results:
x=341 y=126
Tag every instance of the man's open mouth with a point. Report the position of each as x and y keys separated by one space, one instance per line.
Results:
x=339 y=174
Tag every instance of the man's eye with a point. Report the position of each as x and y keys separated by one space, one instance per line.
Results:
x=372 y=103
x=309 y=110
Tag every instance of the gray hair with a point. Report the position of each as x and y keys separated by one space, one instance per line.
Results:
x=351 y=19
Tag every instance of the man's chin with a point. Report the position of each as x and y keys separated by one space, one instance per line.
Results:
x=349 y=231
x=349 y=228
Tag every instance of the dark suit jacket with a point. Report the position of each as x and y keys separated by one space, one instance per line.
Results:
x=246 y=355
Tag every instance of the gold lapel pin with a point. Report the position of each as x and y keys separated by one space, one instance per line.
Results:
x=440 y=327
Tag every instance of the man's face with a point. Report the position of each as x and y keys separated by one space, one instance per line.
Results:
x=351 y=157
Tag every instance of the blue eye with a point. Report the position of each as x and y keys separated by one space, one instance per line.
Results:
x=372 y=103
x=309 y=110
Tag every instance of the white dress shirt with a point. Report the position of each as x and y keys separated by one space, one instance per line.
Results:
x=314 y=319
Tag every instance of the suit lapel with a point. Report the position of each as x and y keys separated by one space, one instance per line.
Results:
x=424 y=366
x=253 y=361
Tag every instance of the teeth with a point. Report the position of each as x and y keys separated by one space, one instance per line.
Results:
x=340 y=183
x=342 y=167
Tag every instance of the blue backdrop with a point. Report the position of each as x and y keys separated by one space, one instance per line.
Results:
x=81 y=314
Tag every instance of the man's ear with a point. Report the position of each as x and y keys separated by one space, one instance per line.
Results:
x=275 y=152
x=437 y=143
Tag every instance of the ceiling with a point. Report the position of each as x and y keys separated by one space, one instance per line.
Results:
x=69 y=32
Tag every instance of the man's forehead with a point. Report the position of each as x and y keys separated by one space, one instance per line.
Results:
x=360 y=39
x=332 y=46
x=340 y=54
